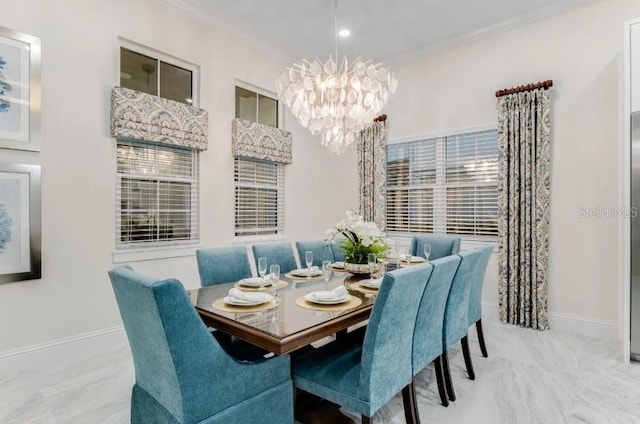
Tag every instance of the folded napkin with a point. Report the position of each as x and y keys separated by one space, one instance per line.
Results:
x=339 y=292
x=338 y=264
x=242 y=296
x=307 y=272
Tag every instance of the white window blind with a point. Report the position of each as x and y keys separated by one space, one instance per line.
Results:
x=259 y=204
x=444 y=185
x=156 y=194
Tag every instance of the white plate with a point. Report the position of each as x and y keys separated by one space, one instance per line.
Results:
x=335 y=301
x=338 y=265
x=371 y=284
x=264 y=297
x=304 y=273
x=415 y=259
x=254 y=282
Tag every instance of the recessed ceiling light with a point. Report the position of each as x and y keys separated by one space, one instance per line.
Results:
x=344 y=33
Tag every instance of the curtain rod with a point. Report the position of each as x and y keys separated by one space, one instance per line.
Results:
x=380 y=118
x=542 y=84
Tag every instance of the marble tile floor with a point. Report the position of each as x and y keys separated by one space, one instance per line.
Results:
x=530 y=377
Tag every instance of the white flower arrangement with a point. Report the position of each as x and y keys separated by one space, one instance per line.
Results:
x=360 y=238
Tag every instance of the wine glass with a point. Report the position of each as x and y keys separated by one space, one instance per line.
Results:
x=274 y=273
x=427 y=251
x=326 y=273
x=371 y=261
x=262 y=270
x=308 y=259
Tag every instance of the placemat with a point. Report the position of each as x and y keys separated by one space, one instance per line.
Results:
x=299 y=277
x=352 y=303
x=281 y=284
x=355 y=286
x=222 y=306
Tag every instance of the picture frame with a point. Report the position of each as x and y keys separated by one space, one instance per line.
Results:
x=20 y=99
x=20 y=222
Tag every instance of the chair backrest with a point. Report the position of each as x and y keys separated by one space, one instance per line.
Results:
x=336 y=250
x=221 y=265
x=176 y=360
x=456 y=315
x=475 y=295
x=441 y=245
x=321 y=251
x=386 y=351
x=427 y=336
x=276 y=253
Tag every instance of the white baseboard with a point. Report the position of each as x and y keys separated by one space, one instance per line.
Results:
x=573 y=324
x=61 y=352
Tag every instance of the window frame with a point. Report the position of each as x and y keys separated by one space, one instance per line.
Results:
x=440 y=186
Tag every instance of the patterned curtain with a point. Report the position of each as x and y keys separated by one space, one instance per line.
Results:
x=372 y=171
x=523 y=207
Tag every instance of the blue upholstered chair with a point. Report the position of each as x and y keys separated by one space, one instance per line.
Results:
x=364 y=377
x=441 y=245
x=182 y=374
x=221 y=265
x=336 y=251
x=456 y=315
x=475 y=296
x=276 y=253
x=427 y=336
x=321 y=252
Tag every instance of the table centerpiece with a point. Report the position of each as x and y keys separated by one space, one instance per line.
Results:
x=360 y=238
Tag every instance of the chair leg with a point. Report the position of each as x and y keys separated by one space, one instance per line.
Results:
x=367 y=420
x=447 y=377
x=410 y=404
x=467 y=358
x=440 y=380
x=483 y=346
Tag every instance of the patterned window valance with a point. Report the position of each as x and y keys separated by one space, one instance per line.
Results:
x=141 y=116
x=259 y=141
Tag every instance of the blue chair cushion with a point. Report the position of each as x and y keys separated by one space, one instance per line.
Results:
x=276 y=253
x=321 y=251
x=475 y=295
x=441 y=245
x=222 y=265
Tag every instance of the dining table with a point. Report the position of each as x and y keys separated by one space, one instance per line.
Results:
x=289 y=322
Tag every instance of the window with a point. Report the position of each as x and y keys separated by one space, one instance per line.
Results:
x=256 y=107
x=157 y=191
x=156 y=184
x=259 y=184
x=444 y=185
x=154 y=76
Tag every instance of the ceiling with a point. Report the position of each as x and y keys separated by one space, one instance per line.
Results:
x=385 y=30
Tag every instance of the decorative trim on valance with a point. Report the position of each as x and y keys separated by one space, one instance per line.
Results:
x=259 y=141
x=141 y=116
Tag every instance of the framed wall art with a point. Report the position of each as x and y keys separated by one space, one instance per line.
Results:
x=19 y=90
x=19 y=222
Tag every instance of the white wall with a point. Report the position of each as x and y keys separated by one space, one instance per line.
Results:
x=79 y=67
x=581 y=51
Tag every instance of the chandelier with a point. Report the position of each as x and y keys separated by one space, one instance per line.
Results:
x=336 y=102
